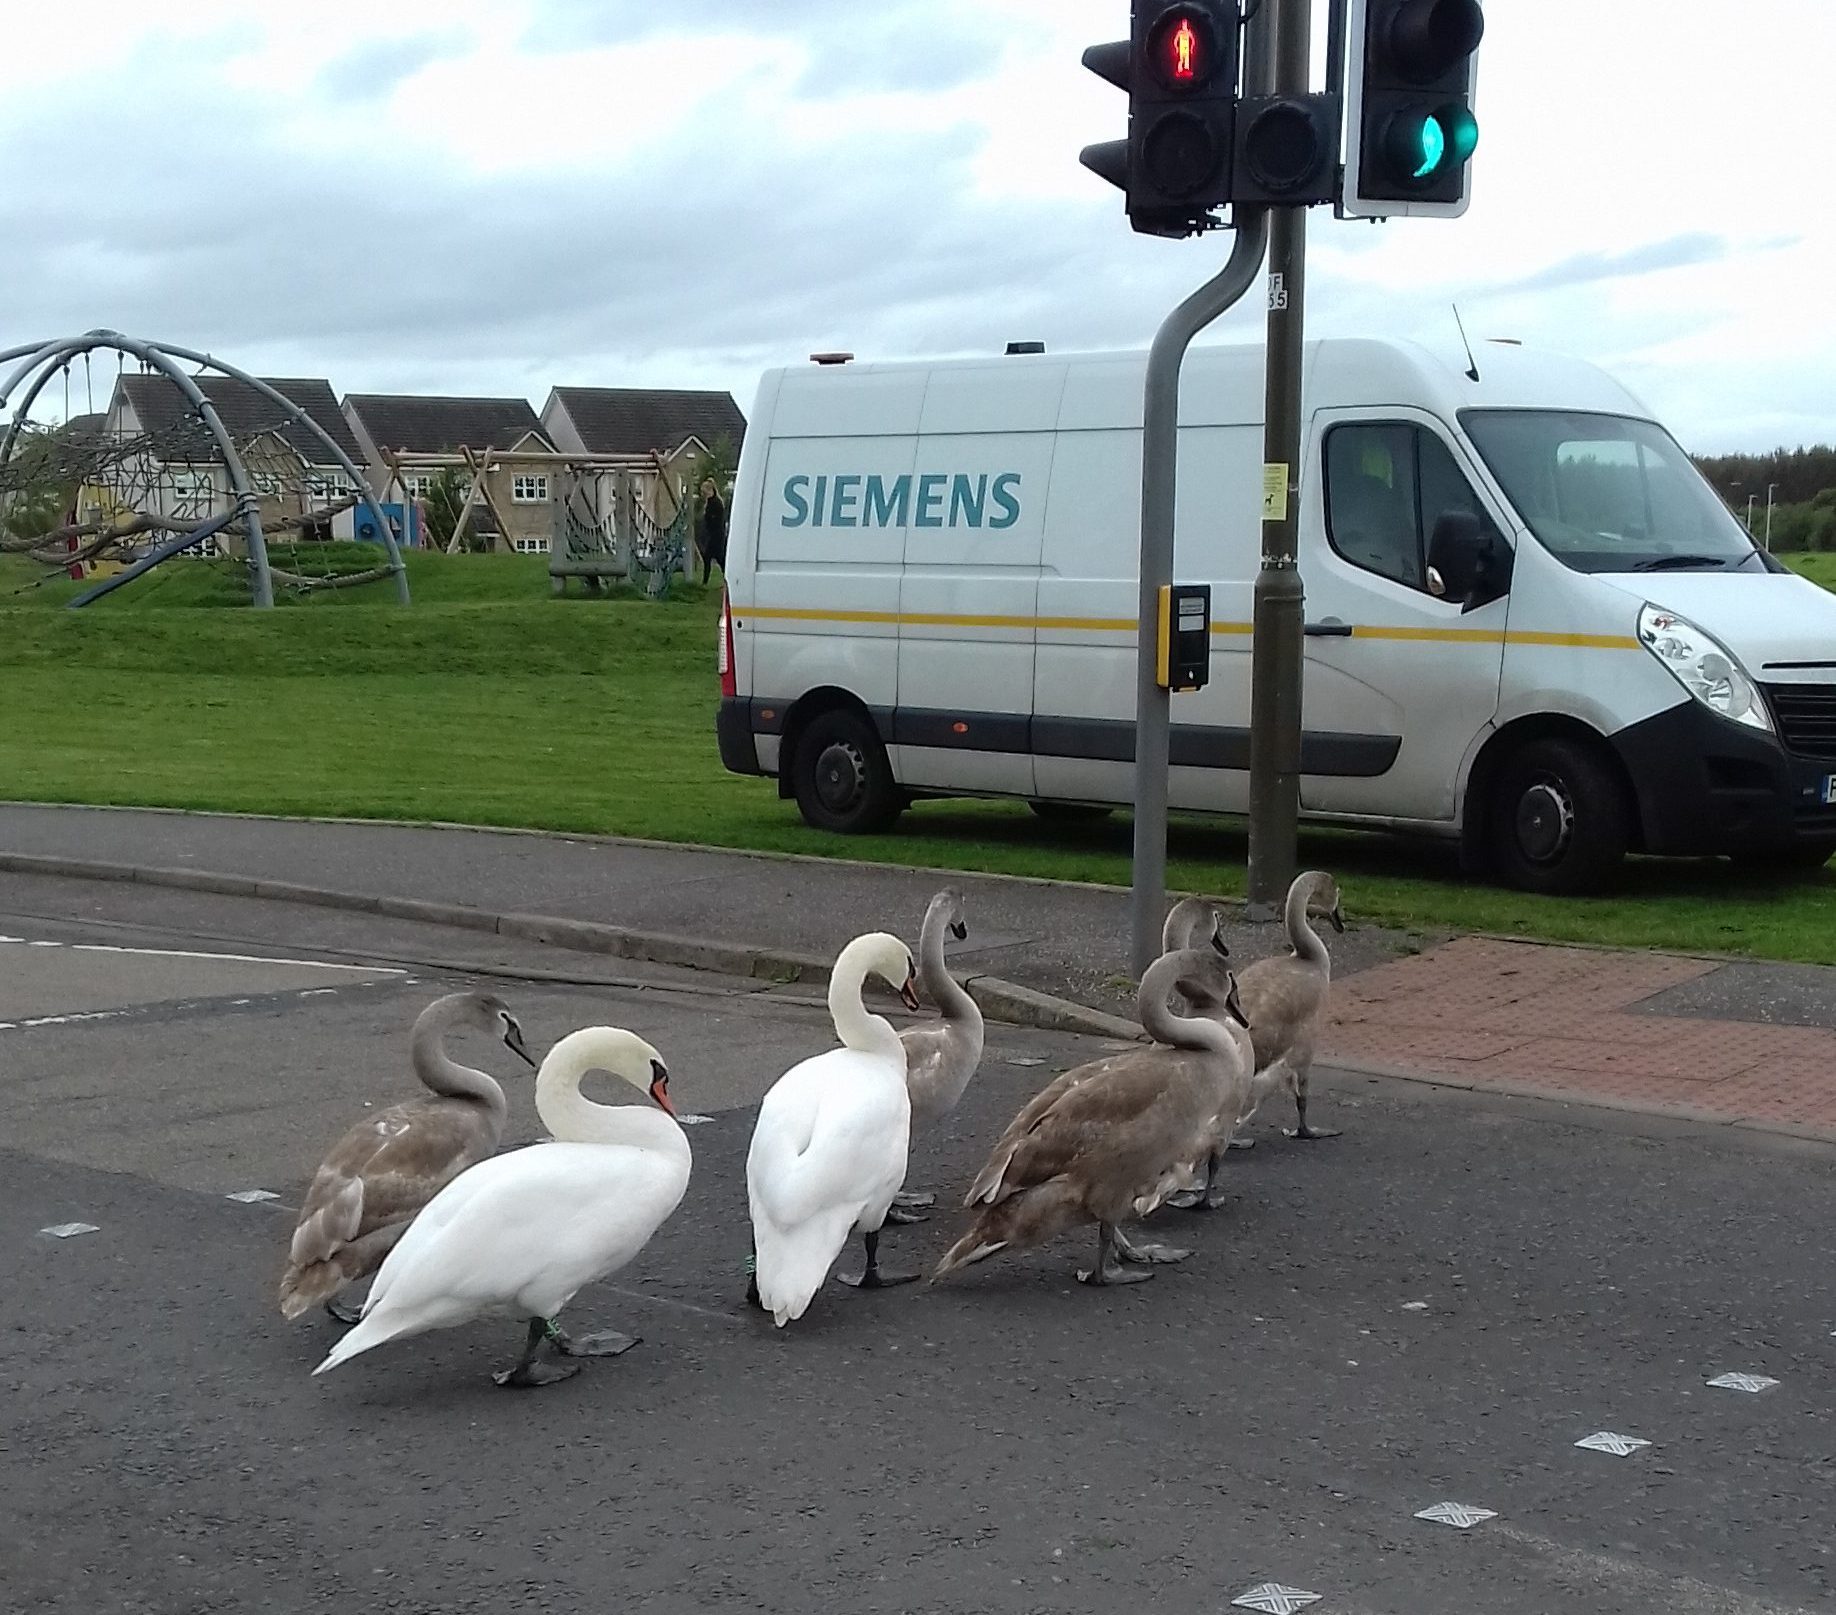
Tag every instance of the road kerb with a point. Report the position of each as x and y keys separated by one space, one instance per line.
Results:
x=1003 y=1000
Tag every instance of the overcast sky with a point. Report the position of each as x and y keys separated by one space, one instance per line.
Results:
x=492 y=196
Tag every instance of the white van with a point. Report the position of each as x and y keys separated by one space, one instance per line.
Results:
x=1531 y=624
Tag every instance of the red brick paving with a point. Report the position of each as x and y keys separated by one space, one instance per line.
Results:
x=1523 y=1016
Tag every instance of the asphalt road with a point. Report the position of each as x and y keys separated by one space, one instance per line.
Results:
x=1433 y=1308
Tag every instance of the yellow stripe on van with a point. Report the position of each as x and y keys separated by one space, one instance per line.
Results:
x=1126 y=625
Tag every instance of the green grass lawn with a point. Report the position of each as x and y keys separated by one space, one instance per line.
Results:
x=490 y=703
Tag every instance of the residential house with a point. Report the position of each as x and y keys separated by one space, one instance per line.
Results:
x=180 y=475
x=409 y=441
x=668 y=430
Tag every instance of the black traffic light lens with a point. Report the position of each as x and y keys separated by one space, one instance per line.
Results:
x=1427 y=37
x=1182 y=49
x=1282 y=148
x=1180 y=154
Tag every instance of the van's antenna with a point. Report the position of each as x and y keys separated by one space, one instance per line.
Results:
x=1472 y=364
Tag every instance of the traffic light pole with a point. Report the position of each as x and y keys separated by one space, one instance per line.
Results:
x=1159 y=483
x=1279 y=609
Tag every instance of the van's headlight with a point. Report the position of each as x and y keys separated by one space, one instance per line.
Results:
x=1704 y=668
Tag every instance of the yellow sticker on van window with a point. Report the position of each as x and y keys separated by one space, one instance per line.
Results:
x=1275 y=492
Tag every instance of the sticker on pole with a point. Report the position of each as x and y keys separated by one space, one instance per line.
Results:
x=1275 y=492
x=1278 y=292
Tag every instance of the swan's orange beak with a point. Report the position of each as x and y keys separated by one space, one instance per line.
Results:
x=659 y=1086
x=909 y=992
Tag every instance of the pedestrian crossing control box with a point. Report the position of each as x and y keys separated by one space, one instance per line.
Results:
x=1185 y=636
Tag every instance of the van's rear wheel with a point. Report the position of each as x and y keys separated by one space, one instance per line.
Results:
x=1559 y=819
x=843 y=780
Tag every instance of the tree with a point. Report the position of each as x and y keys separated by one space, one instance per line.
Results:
x=444 y=500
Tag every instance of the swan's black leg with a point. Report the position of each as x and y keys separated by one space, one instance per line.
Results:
x=1110 y=1269
x=1300 y=1111
x=872 y=1278
x=535 y=1367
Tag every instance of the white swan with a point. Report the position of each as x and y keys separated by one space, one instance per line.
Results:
x=519 y=1234
x=829 y=1150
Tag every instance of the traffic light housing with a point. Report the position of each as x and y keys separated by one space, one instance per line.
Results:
x=1179 y=66
x=1409 y=117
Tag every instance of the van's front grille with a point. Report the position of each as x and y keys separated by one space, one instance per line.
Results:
x=1807 y=717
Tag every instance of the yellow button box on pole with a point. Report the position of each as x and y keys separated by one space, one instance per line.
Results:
x=1185 y=636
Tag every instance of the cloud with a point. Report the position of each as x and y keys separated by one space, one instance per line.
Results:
x=371 y=70
x=1677 y=252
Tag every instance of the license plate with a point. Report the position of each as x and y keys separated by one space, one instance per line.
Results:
x=1829 y=791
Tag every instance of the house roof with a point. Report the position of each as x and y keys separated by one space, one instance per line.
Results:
x=635 y=420
x=165 y=415
x=443 y=425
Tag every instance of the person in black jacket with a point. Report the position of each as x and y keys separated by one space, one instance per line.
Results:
x=711 y=531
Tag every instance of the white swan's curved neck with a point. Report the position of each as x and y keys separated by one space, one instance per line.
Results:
x=855 y=1024
x=575 y=1119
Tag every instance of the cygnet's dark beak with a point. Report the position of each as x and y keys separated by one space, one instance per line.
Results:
x=1220 y=945
x=1234 y=1005
x=909 y=992
x=959 y=930
x=513 y=1041
x=1337 y=916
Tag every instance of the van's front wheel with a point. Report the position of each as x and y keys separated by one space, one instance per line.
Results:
x=842 y=779
x=1559 y=819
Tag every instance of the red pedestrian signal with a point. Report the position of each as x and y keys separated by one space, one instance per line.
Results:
x=1183 y=47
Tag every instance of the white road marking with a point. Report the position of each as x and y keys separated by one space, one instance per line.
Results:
x=1461 y=1516
x=69 y=1230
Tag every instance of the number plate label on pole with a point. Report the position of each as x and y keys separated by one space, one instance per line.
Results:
x=1278 y=292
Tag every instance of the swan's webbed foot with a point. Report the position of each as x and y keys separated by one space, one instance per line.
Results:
x=343 y=1312
x=536 y=1366
x=903 y=1216
x=1147 y=1253
x=872 y=1277
x=607 y=1343
x=528 y=1376
x=1242 y=1143
x=1303 y=1130
x=1111 y=1268
x=1186 y=1200
x=912 y=1201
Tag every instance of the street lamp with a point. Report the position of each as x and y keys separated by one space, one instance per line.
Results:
x=1750 y=498
x=1771 y=489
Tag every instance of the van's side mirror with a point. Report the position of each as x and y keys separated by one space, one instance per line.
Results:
x=1474 y=568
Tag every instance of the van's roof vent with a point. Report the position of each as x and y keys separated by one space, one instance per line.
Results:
x=1026 y=347
x=831 y=358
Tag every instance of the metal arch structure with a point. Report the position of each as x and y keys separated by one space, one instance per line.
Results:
x=47 y=359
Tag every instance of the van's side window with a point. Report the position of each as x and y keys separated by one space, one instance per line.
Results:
x=1386 y=485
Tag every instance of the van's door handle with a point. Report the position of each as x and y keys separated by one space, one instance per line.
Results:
x=1330 y=629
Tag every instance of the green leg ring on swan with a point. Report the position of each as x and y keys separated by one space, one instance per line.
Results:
x=871 y=1277
x=1111 y=1267
x=752 y=1279
x=535 y=1367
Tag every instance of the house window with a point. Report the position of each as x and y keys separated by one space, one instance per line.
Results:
x=327 y=491
x=530 y=546
x=191 y=488
x=529 y=490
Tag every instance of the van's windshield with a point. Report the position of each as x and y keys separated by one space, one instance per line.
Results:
x=1607 y=493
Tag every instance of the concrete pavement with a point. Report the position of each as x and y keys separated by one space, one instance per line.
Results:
x=1433 y=1308
x=1737 y=1043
